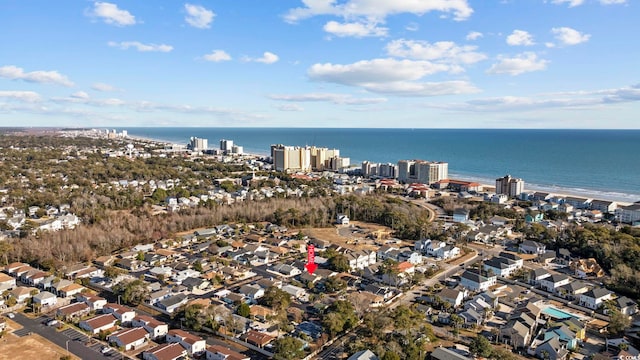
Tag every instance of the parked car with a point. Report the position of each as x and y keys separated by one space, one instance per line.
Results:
x=11 y=315
x=53 y=322
x=105 y=349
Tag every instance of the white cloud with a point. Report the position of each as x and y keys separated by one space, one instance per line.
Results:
x=564 y=100
x=111 y=14
x=80 y=95
x=520 y=64
x=26 y=96
x=412 y=27
x=267 y=58
x=442 y=51
x=43 y=77
x=572 y=3
x=568 y=36
x=377 y=9
x=355 y=29
x=124 y=45
x=391 y=76
x=290 y=107
x=474 y=35
x=198 y=16
x=217 y=56
x=612 y=2
x=103 y=87
x=520 y=38
x=339 y=99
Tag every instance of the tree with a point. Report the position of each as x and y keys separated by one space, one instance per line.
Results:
x=480 y=346
x=276 y=299
x=132 y=292
x=390 y=355
x=288 y=348
x=618 y=322
x=112 y=272
x=339 y=263
x=197 y=266
x=194 y=317
x=243 y=310
x=159 y=195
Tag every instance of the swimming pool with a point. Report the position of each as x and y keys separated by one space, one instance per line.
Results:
x=558 y=314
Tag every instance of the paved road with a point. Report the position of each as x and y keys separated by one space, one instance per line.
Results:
x=74 y=339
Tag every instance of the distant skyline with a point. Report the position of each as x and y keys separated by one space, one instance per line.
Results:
x=321 y=63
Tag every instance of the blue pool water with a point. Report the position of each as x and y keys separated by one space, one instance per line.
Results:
x=558 y=314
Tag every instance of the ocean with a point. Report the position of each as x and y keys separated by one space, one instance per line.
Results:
x=602 y=164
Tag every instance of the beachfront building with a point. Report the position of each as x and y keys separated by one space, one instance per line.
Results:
x=308 y=158
x=509 y=186
x=226 y=146
x=387 y=171
x=198 y=144
x=421 y=171
x=628 y=214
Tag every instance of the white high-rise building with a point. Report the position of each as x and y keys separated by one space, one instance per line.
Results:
x=509 y=186
x=226 y=145
x=198 y=144
x=421 y=171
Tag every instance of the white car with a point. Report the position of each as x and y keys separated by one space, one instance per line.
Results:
x=11 y=315
x=105 y=349
x=53 y=322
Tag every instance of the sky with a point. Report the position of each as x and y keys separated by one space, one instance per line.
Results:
x=321 y=63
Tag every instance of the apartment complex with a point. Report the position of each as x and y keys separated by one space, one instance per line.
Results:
x=308 y=158
x=198 y=144
x=388 y=170
x=509 y=186
x=421 y=171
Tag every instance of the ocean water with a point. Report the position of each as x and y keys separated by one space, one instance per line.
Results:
x=604 y=164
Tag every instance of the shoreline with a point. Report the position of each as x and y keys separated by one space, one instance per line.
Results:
x=618 y=197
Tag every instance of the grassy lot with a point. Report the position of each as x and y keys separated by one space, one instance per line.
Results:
x=29 y=347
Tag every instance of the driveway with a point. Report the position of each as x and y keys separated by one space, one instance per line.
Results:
x=74 y=339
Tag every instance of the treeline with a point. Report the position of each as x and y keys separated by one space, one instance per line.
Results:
x=123 y=229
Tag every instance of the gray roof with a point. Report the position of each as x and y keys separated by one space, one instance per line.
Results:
x=447 y=354
x=597 y=293
x=363 y=355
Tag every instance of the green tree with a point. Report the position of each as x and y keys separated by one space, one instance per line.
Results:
x=243 y=310
x=194 y=317
x=480 y=346
x=132 y=292
x=390 y=355
x=197 y=266
x=276 y=298
x=339 y=263
x=159 y=195
x=618 y=322
x=288 y=348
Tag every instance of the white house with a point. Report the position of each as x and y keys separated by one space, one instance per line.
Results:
x=532 y=247
x=218 y=352
x=45 y=298
x=173 y=351
x=99 y=323
x=93 y=301
x=296 y=292
x=342 y=219
x=594 y=298
x=553 y=282
x=155 y=328
x=124 y=314
x=129 y=339
x=194 y=344
x=476 y=282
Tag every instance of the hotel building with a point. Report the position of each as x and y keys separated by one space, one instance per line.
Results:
x=509 y=186
x=421 y=171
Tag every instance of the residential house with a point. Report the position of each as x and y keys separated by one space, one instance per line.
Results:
x=553 y=282
x=218 y=352
x=172 y=303
x=6 y=282
x=98 y=323
x=342 y=219
x=159 y=295
x=286 y=270
x=256 y=338
x=124 y=314
x=594 y=298
x=476 y=282
x=296 y=292
x=173 y=351
x=156 y=329
x=360 y=259
x=471 y=318
x=194 y=344
x=95 y=302
x=129 y=339
x=584 y=268
x=21 y=293
x=608 y=207
x=551 y=350
x=532 y=247
x=441 y=353
x=364 y=355
x=70 y=290
x=45 y=299
x=516 y=334
x=566 y=336
x=461 y=215
x=452 y=296
x=73 y=311
x=573 y=290
x=626 y=306
x=537 y=275
x=578 y=202
x=252 y=292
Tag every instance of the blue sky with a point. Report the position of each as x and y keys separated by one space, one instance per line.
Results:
x=321 y=63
